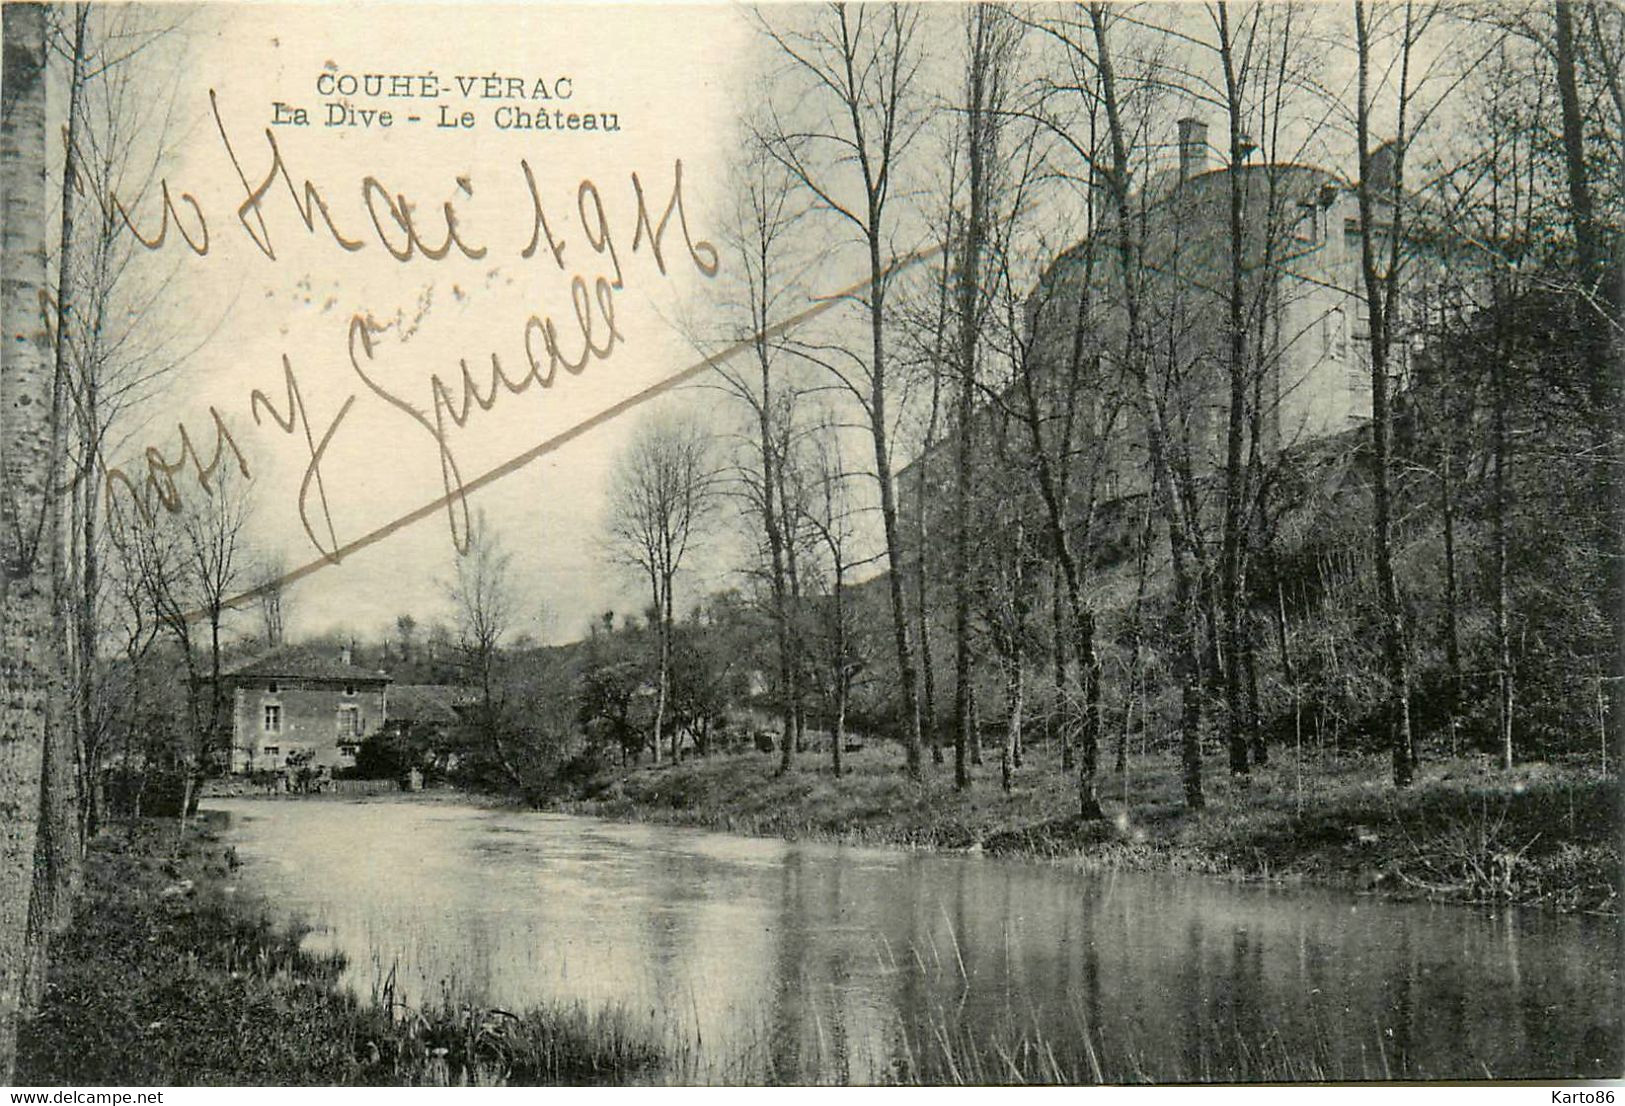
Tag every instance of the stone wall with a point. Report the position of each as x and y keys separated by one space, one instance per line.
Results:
x=309 y=719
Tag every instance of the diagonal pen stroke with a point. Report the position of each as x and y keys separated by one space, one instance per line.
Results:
x=615 y=410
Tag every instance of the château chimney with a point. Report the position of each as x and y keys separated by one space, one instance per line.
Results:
x=1381 y=168
x=1192 y=147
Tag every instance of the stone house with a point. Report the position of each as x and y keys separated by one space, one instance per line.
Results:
x=298 y=700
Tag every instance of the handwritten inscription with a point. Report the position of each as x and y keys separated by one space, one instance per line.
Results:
x=569 y=337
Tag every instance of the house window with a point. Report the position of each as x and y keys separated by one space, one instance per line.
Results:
x=348 y=749
x=272 y=722
x=272 y=687
x=272 y=750
x=349 y=689
x=349 y=722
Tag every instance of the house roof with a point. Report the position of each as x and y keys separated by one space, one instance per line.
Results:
x=303 y=663
x=426 y=703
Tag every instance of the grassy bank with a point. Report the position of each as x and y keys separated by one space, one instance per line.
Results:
x=172 y=974
x=1542 y=834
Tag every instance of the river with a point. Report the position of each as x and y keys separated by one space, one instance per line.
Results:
x=767 y=960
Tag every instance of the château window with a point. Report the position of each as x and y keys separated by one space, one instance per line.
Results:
x=272 y=722
x=1334 y=336
x=1307 y=228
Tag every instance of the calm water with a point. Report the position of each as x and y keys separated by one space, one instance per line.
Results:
x=795 y=962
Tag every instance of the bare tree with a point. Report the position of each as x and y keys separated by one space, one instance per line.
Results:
x=214 y=544
x=925 y=324
x=482 y=597
x=1003 y=564
x=1118 y=104
x=136 y=628
x=852 y=124
x=191 y=563
x=829 y=512
x=108 y=350
x=58 y=851
x=271 y=587
x=792 y=494
x=660 y=502
x=922 y=499
x=406 y=631
x=31 y=674
x=991 y=39
x=1383 y=208
x=760 y=240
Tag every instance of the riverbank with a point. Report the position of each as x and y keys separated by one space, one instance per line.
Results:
x=173 y=974
x=1542 y=835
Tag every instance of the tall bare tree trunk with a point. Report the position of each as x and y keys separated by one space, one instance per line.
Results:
x=1136 y=638
x=1187 y=653
x=928 y=688
x=1452 y=589
x=1503 y=613
x=86 y=745
x=772 y=525
x=1058 y=636
x=669 y=629
x=1381 y=288
x=979 y=134
x=1235 y=471
x=1602 y=344
x=57 y=848
x=657 y=622
x=29 y=679
x=869 y=71
x=975 y=730
x=908 y=689
x=843 y=675
x=1015 y=699
x=798 y=713
x=1255 y=730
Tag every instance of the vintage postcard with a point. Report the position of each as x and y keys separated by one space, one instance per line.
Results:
x=696 y=544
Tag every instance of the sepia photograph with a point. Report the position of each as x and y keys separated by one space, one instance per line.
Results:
x=901 y=545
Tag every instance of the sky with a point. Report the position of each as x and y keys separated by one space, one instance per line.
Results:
x=248 y=320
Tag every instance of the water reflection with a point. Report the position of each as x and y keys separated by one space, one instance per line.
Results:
x=773 y=961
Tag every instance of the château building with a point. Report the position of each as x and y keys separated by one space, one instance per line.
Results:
x=1305 y=322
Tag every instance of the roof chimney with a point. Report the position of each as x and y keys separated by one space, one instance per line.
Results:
x=344 y=654
x=1192 y=147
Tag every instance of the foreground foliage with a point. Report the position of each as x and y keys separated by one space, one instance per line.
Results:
x=170 y=975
